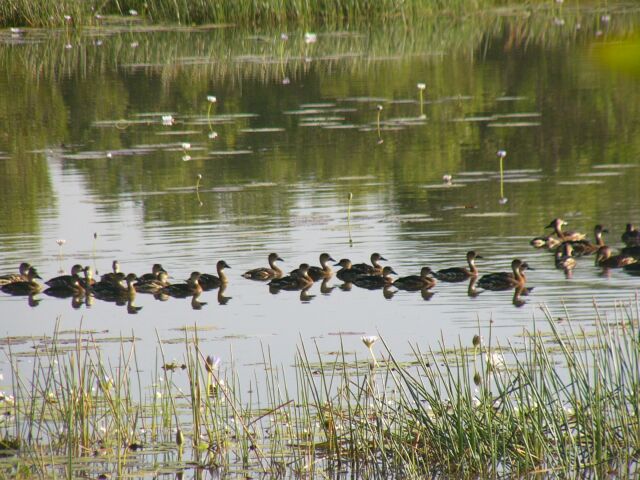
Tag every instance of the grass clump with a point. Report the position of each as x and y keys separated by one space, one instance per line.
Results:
x=564 y=402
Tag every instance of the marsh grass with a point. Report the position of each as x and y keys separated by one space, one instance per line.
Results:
x=247 y=13
x=564 y=401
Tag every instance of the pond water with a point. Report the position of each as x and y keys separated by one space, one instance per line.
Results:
x=91 y=153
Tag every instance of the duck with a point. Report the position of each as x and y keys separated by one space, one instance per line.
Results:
x=154 y=275
x=109 y=277
x=266 y=273
x=64 y=281
x=88 y=281
x=209 y=281
x=346 y=273
x=296 y=280
x=548 y=241
x=154 y=285
x=585 y=247
x=564 y=258
x=632 y=269
x=416 y=282
x=506 y=280
x=631 y=236
x=606 y=259
x=21 y=276
x=109 y=282
x=374 y=282
x=29 y=286
x=460 y=274
x=71 y=288
x=183 y=290
x=557 y=224
x=324 y=270
x=374 y=269
x=631 y=251
x=116 y=291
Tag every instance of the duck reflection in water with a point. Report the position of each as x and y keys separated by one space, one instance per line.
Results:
x=325 y=288
x=86 y=299
x=132 y=309
x=388 y=292
x=222 y=298
x=195 y=303
x=305 y=296
x=520 y=292
x=472 y=292
x=426 y=294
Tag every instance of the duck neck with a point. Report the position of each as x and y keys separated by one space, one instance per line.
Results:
x=222 y=276
x=599 y=240
x=473 y=270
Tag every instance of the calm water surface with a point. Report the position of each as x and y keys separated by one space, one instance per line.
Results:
x=84 y=151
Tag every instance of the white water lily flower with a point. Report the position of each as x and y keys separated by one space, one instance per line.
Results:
x=310 y=37
x=501 y=153
x=186 y=146
x=422 y=86
x=213 y=135
x=496 y=361
x=212 y=363
x=369 y=340
x=133 y=12
x=167 y=120
x=211 y=99
x=61 y=242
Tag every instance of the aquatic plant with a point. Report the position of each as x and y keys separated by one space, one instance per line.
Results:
x=564 y=401
x=421 y=88
x=501 y=154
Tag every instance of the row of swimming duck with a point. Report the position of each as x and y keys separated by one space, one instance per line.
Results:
x=569 y=245
x=116 y=285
